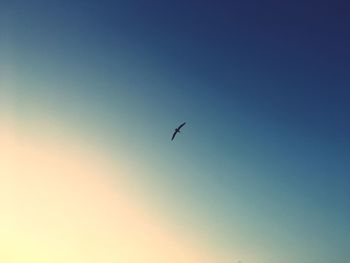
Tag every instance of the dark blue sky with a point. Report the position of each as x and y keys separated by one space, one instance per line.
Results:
x=263 y=85
x=288 y=60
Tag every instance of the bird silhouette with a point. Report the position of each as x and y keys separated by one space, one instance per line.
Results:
x=177 y=130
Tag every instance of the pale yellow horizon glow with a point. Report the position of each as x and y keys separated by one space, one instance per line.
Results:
x=60 y=204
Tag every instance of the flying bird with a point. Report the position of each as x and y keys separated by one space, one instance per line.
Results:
x=177 y=130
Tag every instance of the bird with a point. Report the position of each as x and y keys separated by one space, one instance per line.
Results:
x=177 y=130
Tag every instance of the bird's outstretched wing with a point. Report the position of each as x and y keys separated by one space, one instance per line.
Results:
x=182 y=125
x=177 y=130
x=174 y=134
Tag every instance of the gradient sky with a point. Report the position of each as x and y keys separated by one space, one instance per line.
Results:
x=90 y=92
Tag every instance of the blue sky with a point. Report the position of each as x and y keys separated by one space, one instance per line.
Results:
x=262 y=166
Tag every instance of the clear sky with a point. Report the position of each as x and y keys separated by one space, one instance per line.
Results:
x=90 y=92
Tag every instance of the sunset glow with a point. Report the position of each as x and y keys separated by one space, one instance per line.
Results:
x=59 y=204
